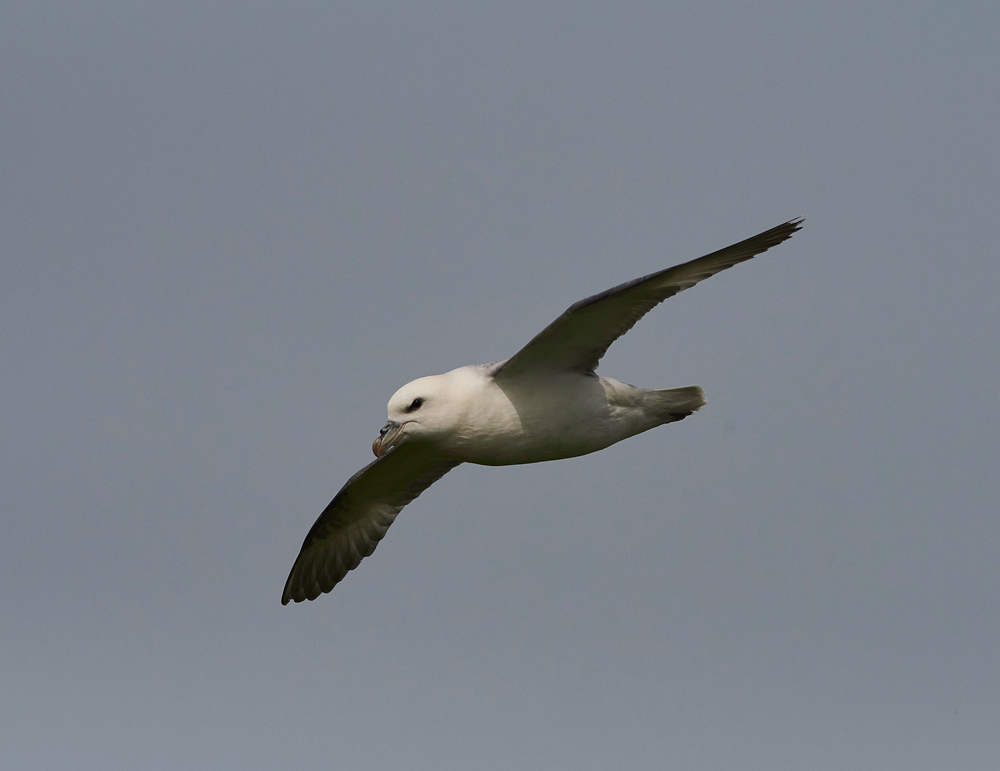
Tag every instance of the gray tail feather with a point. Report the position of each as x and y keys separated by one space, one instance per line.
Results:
x=677 y=403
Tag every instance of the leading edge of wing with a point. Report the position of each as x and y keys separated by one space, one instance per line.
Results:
x=350 y=528
x=723 y=258
x=578 y=338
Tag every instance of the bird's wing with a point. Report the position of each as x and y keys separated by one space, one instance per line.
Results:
x=578 y=339
x=355 y=521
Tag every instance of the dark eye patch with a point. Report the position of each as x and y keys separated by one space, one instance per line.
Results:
x=415 y=405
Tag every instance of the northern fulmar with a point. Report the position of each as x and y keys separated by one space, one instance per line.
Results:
x=544 y=403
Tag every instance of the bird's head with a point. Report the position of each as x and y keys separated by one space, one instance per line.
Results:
x=423 y=410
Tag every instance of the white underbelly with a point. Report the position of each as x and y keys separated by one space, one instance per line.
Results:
x=556 y=418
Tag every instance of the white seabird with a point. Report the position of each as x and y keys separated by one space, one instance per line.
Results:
x=543 y=403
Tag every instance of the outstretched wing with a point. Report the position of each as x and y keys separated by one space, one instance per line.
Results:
x=578 y=339
x=355 y=521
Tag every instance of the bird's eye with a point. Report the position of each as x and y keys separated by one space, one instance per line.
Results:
x=415 y=405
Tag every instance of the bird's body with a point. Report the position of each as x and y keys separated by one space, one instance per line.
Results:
x=544 y=403
x=498 y=422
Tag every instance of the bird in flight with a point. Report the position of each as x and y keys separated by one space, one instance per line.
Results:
x=544 y=403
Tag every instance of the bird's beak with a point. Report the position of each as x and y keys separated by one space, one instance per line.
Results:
x=388 y=437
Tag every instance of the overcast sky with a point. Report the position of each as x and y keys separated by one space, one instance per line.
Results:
x=230 y=231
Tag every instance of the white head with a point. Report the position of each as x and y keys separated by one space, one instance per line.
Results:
x=425 y=409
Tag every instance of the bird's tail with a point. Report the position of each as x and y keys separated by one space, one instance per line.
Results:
x=675 y=404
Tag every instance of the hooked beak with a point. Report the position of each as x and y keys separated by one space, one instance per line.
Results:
x=388 y=438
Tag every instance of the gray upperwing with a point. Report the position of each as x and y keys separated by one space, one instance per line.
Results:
x=350 y=528
x=579 y=337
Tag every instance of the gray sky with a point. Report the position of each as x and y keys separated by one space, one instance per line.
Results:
x=231 y=230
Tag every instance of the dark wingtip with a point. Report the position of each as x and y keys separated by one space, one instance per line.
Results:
x=287 y=593
x=779 y=234
x=786 y=229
